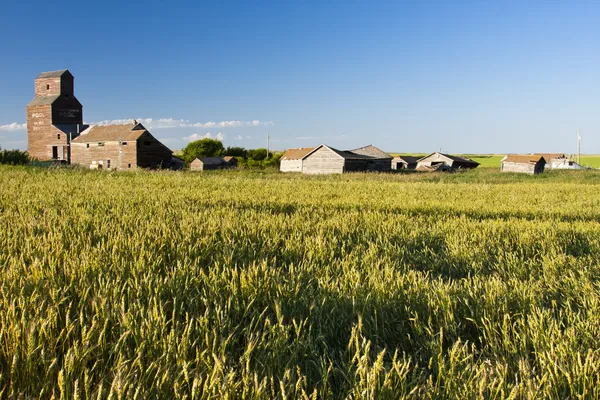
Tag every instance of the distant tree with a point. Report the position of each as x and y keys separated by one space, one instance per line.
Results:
x=257 y=154
x=202 y=148
x=236 y=151
x=272 y=161
x=13 y=157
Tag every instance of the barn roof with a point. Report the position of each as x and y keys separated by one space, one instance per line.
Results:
x=524 y=159
x=229 y=158
x=210 y=160
x=53 y=74
x=550 y=156
x=453 y=158
x=407 y=159
x=296 y=154
x=111 y=133
x=370 y=151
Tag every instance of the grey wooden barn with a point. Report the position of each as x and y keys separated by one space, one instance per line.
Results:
x=404 y=162
x=453 y=162
x=207 y=163
x=324 y=159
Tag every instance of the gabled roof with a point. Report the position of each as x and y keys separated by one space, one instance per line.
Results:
x=370 y=151
x=43 y=100
x=296 y=154
x=523 y=159
x=53 y=74
x=210 y=160
x=453 y=158
x=407 y=159
x=111 y=133
x=343 y=154
x=229 y=158
x=550 y=156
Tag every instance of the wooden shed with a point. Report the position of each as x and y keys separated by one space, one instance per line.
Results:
x=207 y=163
x=453 y=162
x=527 y=164
x=231 y=161
x=404 y=162
x=552 y=159
x=327 y=160
x=378 y=160
x=291 y=160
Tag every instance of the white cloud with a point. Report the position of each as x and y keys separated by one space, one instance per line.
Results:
x=13 y=127
x=208 y=135
x=239 y=137
x=166 y=123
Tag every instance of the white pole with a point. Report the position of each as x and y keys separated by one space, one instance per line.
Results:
x=268 y=138
x=578 y=146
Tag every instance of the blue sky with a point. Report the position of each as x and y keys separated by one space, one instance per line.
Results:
x=463 y=76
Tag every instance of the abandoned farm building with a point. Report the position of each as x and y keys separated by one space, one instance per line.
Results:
x=55 y=131
x=552 y=158
x=434 y=161
x=404 y=162
x=291 y=160
x=54 y=116
x=528 y=164
x=208 y=163
x=119 y=147
x=324 y=159
x=231 y=161
x=565 y=163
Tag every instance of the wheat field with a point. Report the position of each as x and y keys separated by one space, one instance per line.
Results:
x=247 y=285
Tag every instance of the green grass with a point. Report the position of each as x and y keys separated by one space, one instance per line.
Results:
x=234 y=284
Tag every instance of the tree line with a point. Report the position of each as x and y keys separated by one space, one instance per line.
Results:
x=214 y=148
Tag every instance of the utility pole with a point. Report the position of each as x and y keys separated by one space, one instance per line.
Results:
x=268 y=139
x=578 y=146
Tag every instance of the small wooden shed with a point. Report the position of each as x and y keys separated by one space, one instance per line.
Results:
x=453 y=162
x=231 y=161
x=526 y=164
x=404 y=162
x=207 y=163
x=291 y=160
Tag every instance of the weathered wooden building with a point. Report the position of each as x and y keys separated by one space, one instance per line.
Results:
x=327 y=160
x=404 y=162
x=208 y=163
x=527 y=164
x=291 y=160
x=565 y=163
x=231 y=161
x=120 y=147
x=453 y=162
x=54 y=116
x=552 y=159
x=377 y=159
